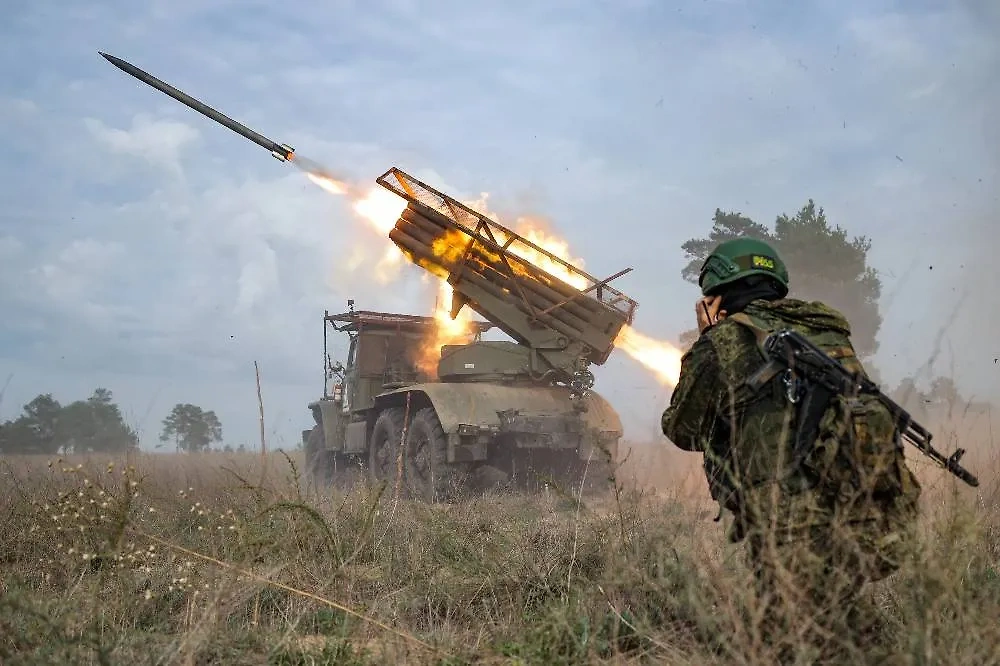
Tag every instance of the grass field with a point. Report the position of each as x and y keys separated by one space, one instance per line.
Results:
x=232 y=559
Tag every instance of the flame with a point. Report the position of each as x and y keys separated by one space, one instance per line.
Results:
x=560 y=248
x=447 y=331
x=381 y=208
x=662 y=358
x=328 y=183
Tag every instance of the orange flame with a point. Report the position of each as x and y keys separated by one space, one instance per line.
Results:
x=662 y=358
x=447 y=331
x=560 y=248
x=382 y=208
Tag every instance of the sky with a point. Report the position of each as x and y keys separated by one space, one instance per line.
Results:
x=148 y=250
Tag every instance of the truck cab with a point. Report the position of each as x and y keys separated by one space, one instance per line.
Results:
x=386 y=351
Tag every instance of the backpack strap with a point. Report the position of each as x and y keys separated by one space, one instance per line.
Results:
x=768 y=370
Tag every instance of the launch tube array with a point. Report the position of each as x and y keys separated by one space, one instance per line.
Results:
x=524 y=284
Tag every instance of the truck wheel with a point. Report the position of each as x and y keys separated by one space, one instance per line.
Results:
x=598 y=477
x=428 y=474
x=384 y=445
x=318 y=459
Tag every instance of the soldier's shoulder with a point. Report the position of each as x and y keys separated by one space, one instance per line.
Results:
x=702 y=346
x=730 y=332
x=794 y=311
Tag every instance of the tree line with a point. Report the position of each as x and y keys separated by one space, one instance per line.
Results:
x=96 y=425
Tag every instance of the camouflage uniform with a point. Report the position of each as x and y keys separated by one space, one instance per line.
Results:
x=812 y=543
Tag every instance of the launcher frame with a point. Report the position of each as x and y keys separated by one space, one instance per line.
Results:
x=416 y=191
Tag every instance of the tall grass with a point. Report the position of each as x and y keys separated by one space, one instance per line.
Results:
x=206 y=559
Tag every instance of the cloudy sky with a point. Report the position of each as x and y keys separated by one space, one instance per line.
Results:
x=145 y=249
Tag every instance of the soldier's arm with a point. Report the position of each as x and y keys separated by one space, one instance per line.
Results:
x=688 y=421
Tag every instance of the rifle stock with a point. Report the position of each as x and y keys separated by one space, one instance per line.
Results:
x=799 y=354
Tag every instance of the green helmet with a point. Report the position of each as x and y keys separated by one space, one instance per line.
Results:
x=738 y=258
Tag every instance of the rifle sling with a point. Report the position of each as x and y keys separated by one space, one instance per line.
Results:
x=768 y=370
x=763 y=375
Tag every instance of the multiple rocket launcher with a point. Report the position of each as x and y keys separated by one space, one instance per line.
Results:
x=486 y=263
x=591 y=317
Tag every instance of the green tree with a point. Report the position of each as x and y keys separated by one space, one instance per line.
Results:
x=34 y=431
x=822 y=262
x=191 y=428
x=95 y=424
x=46 y=427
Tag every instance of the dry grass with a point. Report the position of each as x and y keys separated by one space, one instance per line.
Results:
x=212 y=559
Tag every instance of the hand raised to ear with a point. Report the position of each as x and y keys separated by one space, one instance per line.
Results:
x=707 y=312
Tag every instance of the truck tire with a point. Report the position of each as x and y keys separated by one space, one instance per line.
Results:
x=383 y=447
x=318 y=459
x=429 y=476
x=595 y=478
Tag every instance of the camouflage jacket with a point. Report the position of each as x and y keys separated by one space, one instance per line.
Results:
x=746 y=438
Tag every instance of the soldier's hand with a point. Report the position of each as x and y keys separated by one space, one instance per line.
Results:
x=707 y=311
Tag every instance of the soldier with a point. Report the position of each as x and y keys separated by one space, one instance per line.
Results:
x=816 y=529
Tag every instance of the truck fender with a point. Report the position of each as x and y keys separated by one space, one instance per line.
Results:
x=466 y=406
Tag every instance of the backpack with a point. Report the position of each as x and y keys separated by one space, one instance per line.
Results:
x=856 y=462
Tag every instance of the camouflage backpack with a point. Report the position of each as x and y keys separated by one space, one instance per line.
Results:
x=856 y=461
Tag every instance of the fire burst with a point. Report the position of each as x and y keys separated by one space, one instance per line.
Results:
x=381 y=208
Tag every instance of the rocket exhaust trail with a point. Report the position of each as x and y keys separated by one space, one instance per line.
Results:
x=279 y=151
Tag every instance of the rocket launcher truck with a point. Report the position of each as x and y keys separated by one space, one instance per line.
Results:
x=495 y=411
x=518 y=413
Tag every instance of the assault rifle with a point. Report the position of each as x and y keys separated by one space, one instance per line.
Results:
x=791 y=351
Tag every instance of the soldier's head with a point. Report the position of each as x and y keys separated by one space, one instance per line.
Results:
x=744 y=266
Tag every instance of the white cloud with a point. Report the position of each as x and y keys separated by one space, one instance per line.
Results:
x=173 y=254
x=160 y=142
x=76 y=269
